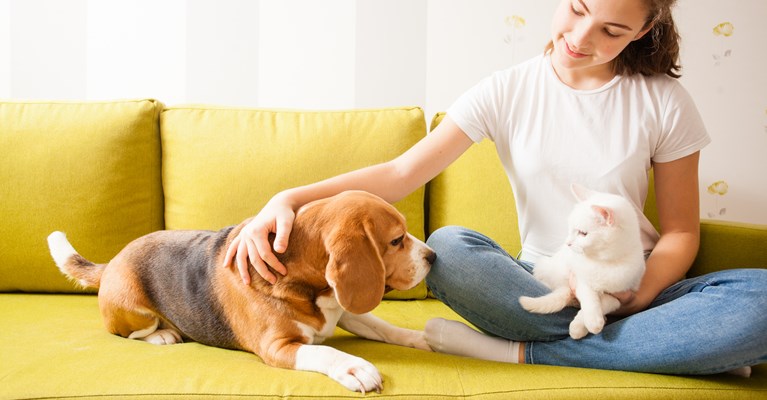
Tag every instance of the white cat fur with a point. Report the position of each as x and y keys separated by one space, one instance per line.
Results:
x=608 y=259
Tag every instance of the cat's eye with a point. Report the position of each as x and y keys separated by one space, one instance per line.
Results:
x=397 y=241
x=582 y=233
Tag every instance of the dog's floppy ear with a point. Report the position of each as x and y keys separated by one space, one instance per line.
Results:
x=355 y=269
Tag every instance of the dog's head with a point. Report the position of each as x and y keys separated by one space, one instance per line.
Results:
x=370 y=250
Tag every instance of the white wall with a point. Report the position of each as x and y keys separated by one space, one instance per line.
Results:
x=335 y=54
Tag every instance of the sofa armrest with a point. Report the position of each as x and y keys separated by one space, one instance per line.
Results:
x=727 y=245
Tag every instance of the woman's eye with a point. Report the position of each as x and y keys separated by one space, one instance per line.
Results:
x=610 y=34
x=576 y=12
x=397 y=241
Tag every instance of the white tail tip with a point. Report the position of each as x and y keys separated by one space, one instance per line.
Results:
x=60 y=248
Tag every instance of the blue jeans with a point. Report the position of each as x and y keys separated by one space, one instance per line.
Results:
x=703 y=325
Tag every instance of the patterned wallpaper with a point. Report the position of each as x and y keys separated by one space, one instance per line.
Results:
x=368 y=53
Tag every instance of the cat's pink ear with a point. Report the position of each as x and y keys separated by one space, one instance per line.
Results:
x=581 y=192
x=605 y=215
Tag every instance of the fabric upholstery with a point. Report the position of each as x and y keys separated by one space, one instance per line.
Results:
x=221 y=165
x=87 y=362
x=89 y=169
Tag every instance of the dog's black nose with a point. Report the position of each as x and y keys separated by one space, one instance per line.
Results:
x=431 y=257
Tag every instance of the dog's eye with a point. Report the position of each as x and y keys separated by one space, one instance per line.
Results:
x=397 y=241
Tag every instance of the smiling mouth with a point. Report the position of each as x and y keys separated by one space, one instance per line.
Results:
x=570 y=51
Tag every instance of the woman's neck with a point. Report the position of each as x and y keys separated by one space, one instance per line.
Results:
x=588 y=78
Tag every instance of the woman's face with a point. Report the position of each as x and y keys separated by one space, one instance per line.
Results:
x=589 y=34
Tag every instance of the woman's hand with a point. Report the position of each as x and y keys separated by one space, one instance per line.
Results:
x=631 y=301
x=251 y=246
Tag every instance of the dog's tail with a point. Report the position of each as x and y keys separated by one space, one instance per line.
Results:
x=72 y=264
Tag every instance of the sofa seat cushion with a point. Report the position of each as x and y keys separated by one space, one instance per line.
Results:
x=55 y=346
x=221 y=165
x=89 y=169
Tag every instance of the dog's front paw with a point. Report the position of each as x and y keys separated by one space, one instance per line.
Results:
x=358 y=375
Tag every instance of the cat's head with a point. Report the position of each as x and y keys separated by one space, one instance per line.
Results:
x=601 y=224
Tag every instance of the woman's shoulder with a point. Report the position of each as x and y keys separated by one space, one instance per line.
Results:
x=657 y=82
x=660 y=87
x=517 y=76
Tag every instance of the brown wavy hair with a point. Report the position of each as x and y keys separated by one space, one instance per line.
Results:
x=657 y=52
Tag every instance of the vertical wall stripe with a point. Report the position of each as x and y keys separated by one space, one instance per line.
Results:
x=137 y=48
x=306 y=53
x=467 y=43
x=390 y=57
x=47 y=49
x=5 y=49
x=222 y=52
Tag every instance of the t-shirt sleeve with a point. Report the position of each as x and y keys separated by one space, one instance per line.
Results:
x=474 y=112
x=683 y=131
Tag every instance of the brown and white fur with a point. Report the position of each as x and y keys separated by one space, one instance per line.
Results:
x=344 y=253
x=602 y=254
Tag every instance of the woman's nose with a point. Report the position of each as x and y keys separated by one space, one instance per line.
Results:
x=580 y=36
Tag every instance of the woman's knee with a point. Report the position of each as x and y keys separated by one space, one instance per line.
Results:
x=459 y=241
x=456 y=249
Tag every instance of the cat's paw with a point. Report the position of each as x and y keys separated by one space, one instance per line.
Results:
x=594 y=323
x=577 y=328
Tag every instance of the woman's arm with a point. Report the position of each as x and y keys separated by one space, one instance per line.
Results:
x=677 y=199
x=392 y=181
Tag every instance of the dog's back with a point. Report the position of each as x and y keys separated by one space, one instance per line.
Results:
x=177 y=276
x=177 y=272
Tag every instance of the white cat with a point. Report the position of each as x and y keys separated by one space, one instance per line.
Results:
x=603 y=253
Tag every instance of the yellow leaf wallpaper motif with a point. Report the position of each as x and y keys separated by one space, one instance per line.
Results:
x=717 y=189
x=515 y=21
x=723 y=30
x=515 y=25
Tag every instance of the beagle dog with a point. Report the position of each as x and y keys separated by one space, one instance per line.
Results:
x=345 y=252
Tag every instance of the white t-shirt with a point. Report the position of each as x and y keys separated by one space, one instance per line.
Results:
x=549 y=135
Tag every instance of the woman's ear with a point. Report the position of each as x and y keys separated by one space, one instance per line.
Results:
x=355 y=269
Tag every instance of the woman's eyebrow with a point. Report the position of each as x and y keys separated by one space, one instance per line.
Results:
x=615 y=24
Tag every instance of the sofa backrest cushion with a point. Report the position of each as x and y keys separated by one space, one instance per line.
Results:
x=221 y=165
x=474 y=192
x=89 y=169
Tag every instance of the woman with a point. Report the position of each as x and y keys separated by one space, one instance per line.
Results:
x=600 y=107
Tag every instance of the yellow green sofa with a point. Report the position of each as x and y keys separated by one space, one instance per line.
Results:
x=108 y=172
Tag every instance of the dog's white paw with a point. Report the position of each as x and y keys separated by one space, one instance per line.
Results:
x=163 y=336
x=357 y=374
